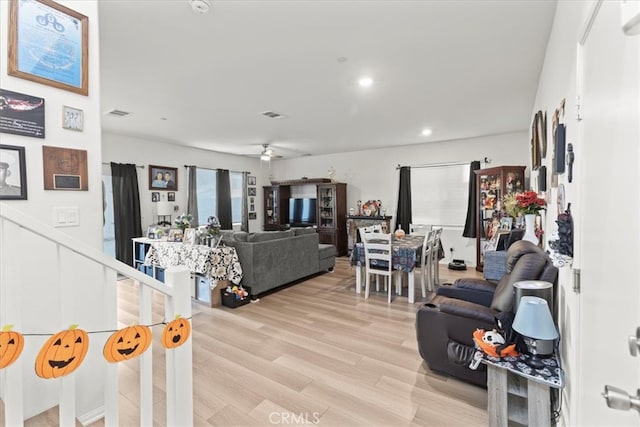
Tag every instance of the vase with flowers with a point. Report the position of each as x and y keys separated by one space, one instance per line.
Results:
x=529 y=205
x=213 y=229
x=183 y=221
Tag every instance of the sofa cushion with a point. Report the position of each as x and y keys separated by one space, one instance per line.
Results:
x=303 y=231
x=240 y=236
x=227 y=235
x=265 y=236
x=326 y=251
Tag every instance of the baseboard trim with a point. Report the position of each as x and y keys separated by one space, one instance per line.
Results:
x=92 y=416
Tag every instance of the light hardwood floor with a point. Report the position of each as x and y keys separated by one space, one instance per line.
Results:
x=313 y=353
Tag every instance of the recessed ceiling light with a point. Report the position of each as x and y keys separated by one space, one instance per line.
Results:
x=426 y=132
x=365 y=81
x=163 y=118
x=200 y=6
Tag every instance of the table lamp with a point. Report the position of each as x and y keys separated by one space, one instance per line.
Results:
x=164 y=210
x=534 y=322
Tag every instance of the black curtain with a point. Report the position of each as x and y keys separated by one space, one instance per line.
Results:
x=403 y=213
x=472 y=206
x=126 y=209
x=223 y=193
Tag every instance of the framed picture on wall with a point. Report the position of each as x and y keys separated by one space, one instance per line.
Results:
x=253 y=215
x=72 y=118
x=252 y=191
x=65 y=168
x=251 y=180
x=171 y=196
x=62 y=61
x=155 y=196
x=13 y=173
x=163 y=178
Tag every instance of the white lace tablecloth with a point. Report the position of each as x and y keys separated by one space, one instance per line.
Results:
x=219 y=263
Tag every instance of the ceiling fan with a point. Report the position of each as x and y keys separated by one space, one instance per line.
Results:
x=267 y=153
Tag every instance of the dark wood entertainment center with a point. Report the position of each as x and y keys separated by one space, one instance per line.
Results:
x=331 y=209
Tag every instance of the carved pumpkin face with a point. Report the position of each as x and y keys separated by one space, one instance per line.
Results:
x=127 y=343
x=176 y=332
x=62 y=353
x=11 y=345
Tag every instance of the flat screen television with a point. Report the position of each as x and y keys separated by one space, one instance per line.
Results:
x=302 y=212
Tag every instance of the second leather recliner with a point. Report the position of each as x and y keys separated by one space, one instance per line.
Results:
x=445 y=325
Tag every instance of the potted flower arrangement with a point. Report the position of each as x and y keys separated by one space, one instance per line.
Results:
x=183 y=221
x=212 y=229
x=529 y=205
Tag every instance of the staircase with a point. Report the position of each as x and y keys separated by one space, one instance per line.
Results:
x=49 y=281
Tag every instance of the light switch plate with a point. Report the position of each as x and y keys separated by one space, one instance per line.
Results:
x=66 y=216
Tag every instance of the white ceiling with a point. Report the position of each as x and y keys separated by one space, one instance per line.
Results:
x=462 y=68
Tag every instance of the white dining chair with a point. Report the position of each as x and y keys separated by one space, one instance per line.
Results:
x=435 y=261
x=420 y=229
x=377 y=251
x=423 y=265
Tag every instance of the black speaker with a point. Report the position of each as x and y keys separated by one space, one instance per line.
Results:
x=560 y=148
x=542 y=178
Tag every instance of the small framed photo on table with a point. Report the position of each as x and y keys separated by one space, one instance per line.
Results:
x=175 y=235
x=189 y=236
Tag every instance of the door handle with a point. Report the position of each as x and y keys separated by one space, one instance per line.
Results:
x=634 y=343
x=620 y=399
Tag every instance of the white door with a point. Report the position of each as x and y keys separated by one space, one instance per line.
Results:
x=609 y=212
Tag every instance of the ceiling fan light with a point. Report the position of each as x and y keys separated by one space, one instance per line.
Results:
x=265 y=157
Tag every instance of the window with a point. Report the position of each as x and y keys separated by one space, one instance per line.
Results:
x=439 y=195
x=206 y=189
x=236 y=197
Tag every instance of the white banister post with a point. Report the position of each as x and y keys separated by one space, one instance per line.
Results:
x=146 y=359
x=179 y=360
x=11 y=285
x=111 y=396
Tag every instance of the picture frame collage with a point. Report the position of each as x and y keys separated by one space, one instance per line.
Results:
x=67 y=33
x=252 y=193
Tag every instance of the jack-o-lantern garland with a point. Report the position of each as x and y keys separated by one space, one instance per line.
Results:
x=11 y=345
x=127 y=343
x=176 y=332
x=65 y=351
x=62 y=353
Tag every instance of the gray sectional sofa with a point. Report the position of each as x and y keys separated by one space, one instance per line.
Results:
x=273 y=258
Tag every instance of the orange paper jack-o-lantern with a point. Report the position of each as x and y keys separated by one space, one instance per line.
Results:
x=127 y=343
x=62 y=353
x=176 y=332
x=11 y=345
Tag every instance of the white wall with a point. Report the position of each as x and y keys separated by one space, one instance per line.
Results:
x=558 y=81
x=41 y=305
x=372 y=174
x=126 y=149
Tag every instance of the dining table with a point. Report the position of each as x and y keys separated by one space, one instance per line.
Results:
x=406 y=251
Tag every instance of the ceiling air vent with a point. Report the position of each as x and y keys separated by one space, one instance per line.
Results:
x=273 y=115
x=118 y=113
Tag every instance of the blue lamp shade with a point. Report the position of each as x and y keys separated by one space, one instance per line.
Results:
x=534 y=320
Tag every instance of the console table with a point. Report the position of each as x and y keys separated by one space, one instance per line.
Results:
x=356 y=221
x=517 y=392
x=210 y=267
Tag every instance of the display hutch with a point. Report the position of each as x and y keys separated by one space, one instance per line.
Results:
x=331 y=217
x=276 y=207
x=492 y=185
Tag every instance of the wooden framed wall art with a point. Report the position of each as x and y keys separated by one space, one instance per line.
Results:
x=48 y=44
x=65 y=169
